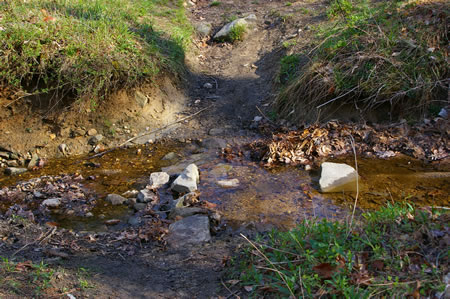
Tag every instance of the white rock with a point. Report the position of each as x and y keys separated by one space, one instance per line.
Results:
x=257 y=118
x=233 y=183
x=146 y=195
x=337 y=177
x=187 y=180
x=52 y=202
x=225 y=31
x=158 y=179
x=115 y=199
x=207 y=85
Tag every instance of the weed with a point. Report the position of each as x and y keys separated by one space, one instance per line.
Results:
x=289 y=43
x=215 y=3
x=288 y=4
x=320 y=258
x=288 y=68
x=237 y=33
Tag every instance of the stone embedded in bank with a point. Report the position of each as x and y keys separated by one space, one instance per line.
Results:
x=337 y=177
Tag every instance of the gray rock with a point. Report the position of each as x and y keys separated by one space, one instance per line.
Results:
x=216 y=131
x=158 y=179
x=185 y=200
x=146 y=195
x=140 y=206
x=12 y=163
x=203 y=29
x=170 y=156
x=189 y=230
x=77 y=132
x=133 y=220
x=337 y=177
x=4 y=155
x=94 y=140
x=233 y=183
x=15 y=170
x=33 y=162
x=92 y=132
x=52 y=202
x=63 y=148
x=115 y=199
x=141 y=99
x=131 y=201
x=187 y=180
x=225 y=31
x=208 y=85
x=214 y=143
x=185 y=212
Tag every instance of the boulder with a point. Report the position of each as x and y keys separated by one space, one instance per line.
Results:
x=225 y=31
x=94 y=140
x=203 y=29
x=337 y=177
x=115 y=199
x=185 y=212
x=190 y=230
x=33 y=162
x=158 y=179
x=187 y=180
x=15 y=170
x=146 y=195
x=52 y=202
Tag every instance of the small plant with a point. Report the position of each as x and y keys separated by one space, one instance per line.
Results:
x=237 y=33
x=288 y=68
x=215 y=3
x=288 y=3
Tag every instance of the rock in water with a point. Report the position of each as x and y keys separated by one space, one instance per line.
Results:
x=115 y=199
x=146 y=195
x=52 y=202
x=14 y=170
x=158 y=179
x=187 y=180
x=190 y=230
x=337 y=177
x=233 y=183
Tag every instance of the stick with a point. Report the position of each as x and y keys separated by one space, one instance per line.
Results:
x=39 y=239
x=357 y=183
x=228 y=289
x=148 y=133
x=336 y=98
x=263 y=115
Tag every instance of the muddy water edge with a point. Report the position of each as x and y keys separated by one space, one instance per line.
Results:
x=277 y=197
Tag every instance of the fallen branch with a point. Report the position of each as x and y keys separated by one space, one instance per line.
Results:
x=39 y=239
x=148 y=133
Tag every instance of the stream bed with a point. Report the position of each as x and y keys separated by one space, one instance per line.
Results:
x=280 y=197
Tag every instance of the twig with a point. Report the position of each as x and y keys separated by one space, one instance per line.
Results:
x=228 y=289
x=336 y=98
x=39 y=239
x=263 y=115
x=274 y=267
x=148 y=133
x=301 y=281
x=357 y=182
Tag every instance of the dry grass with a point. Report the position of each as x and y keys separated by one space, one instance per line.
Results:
x=371 y=55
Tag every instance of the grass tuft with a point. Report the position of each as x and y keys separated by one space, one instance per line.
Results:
x=373 y=54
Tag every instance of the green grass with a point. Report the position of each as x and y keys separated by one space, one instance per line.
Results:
x=87 y=49
x=288 y=68
x=215 y=3
x=24 y=278
x=237 y=33
x=383 y=256
x=373 y=53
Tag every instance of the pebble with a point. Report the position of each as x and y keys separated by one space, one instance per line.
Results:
x=92 y=132
x=208 y=85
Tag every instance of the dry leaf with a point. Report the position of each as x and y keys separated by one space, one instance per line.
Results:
x=325 y=270
x=248 y=288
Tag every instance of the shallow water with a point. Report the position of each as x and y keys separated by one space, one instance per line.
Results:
x=281 y=196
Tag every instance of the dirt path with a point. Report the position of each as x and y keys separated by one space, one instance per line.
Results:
x=241 y=76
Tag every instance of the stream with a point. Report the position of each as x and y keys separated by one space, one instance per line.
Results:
x=281 y=196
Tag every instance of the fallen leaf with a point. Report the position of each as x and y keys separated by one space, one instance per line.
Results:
x=325 y=270
x=248 y=288
x=378 y=265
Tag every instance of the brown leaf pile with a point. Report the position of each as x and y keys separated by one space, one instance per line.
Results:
x=428 y=141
